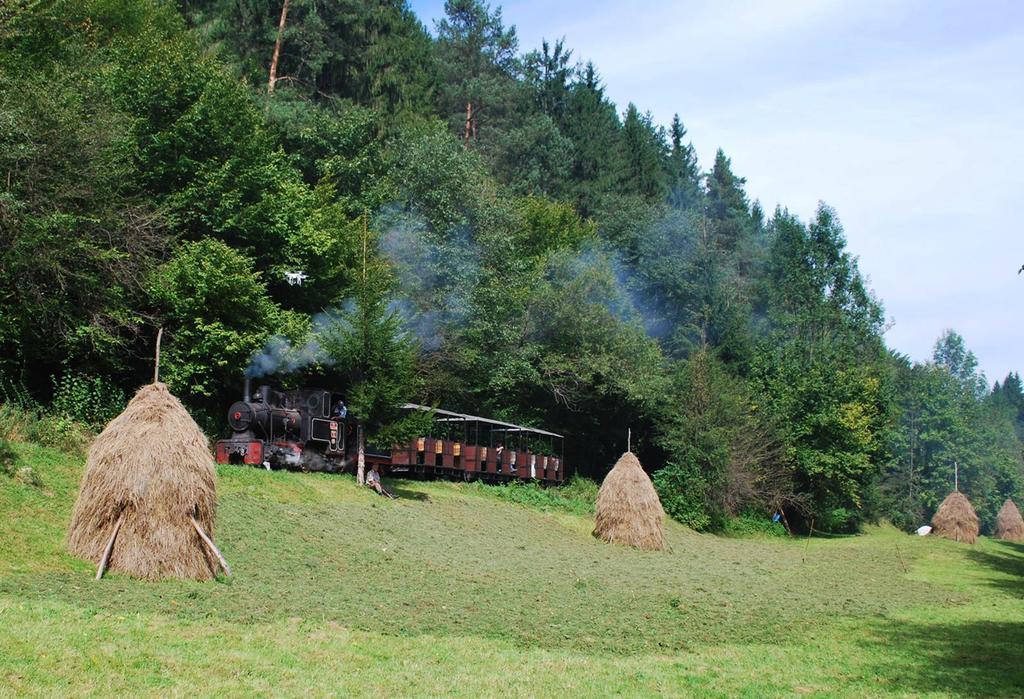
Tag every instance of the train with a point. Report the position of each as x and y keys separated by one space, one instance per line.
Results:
x=310 y=429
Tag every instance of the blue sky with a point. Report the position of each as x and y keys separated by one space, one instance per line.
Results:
x=907 y=116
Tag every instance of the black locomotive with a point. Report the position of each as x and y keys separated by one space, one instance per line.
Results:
x=310 y=430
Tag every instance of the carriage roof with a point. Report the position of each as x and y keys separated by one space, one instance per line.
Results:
x=450 y=416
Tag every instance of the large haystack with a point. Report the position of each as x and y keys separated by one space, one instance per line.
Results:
x=150 y=470
x=956 y=519
x=1009 y=524
x=628 y=509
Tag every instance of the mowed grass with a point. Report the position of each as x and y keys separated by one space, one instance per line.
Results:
x=454 y=590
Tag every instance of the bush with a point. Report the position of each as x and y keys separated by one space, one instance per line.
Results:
x=577 y=496
x=8 y=458
x=91 y=400
x=60 y=432
x=682 y=492
x=840 y=520
x=753 y=524
x=15 y=422
x=20 y=424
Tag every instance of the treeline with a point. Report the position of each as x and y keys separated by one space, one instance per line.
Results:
x=479 y=227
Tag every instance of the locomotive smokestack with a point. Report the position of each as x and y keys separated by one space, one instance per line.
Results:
x=247 y=390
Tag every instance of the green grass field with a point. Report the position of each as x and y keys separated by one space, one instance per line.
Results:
x=454 y=590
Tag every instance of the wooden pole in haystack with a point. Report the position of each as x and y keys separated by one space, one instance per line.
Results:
x=213 y=547
x=110 y=547
x=156 y=360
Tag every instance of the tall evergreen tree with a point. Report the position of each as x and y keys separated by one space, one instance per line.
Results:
x=374 y=358
x=592 y=125
x=547 y=72
x=727 y=205
x=643 y=149
x=375 y=53
x=951 y=352
x=684 y=189
x=479 y=65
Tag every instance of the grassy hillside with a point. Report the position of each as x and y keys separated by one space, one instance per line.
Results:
x=454 y=590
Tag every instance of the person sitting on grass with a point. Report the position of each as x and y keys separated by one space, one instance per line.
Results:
x=373 y=480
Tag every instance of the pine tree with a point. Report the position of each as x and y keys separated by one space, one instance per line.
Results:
x=643 y=148
x=375 y=53
x=593 y=126
x=951 y=352
x=683 y=172
x=478 y=65
x=727 y=205
x=374 y=358
x=547 y=72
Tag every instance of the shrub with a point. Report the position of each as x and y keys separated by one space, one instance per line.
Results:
x=8 y=458
x=682 y=491
x=577 y=496
x=91 y=400
x=21 y=424
x=753 y=524
x=14 y=422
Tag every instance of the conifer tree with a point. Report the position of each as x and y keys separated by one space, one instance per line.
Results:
x=374 y=358
x=593 y=126
x=727 y=205
x=643 y=148
x=548 y=72
x=477 y=55
x=683 y=172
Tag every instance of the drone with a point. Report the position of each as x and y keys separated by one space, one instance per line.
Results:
x=296 y=278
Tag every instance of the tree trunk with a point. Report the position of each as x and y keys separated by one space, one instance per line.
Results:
x=361 y=456
x=277 y=49
x=469 y=120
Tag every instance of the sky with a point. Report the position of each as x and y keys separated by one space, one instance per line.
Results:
x=906 y=116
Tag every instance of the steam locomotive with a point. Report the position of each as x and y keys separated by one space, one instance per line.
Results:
x=310 y=430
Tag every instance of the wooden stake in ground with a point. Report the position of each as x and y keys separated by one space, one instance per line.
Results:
x=808 y=544
x=900 y=554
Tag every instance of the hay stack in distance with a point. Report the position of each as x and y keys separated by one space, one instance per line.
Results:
x=956 y=519
x=149 y=487
x=628 y=509
x=1009 y=524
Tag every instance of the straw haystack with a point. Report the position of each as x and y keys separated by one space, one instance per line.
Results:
x=148 y=496
x=1009 y=524
x=628 y=509
x=956 y=519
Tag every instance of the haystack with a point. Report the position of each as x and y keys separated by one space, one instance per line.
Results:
x=148 y=496
x=955 y=519
x=1009 y=524
x=628 y=509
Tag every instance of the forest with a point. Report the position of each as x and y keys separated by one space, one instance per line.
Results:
x=478 y=227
